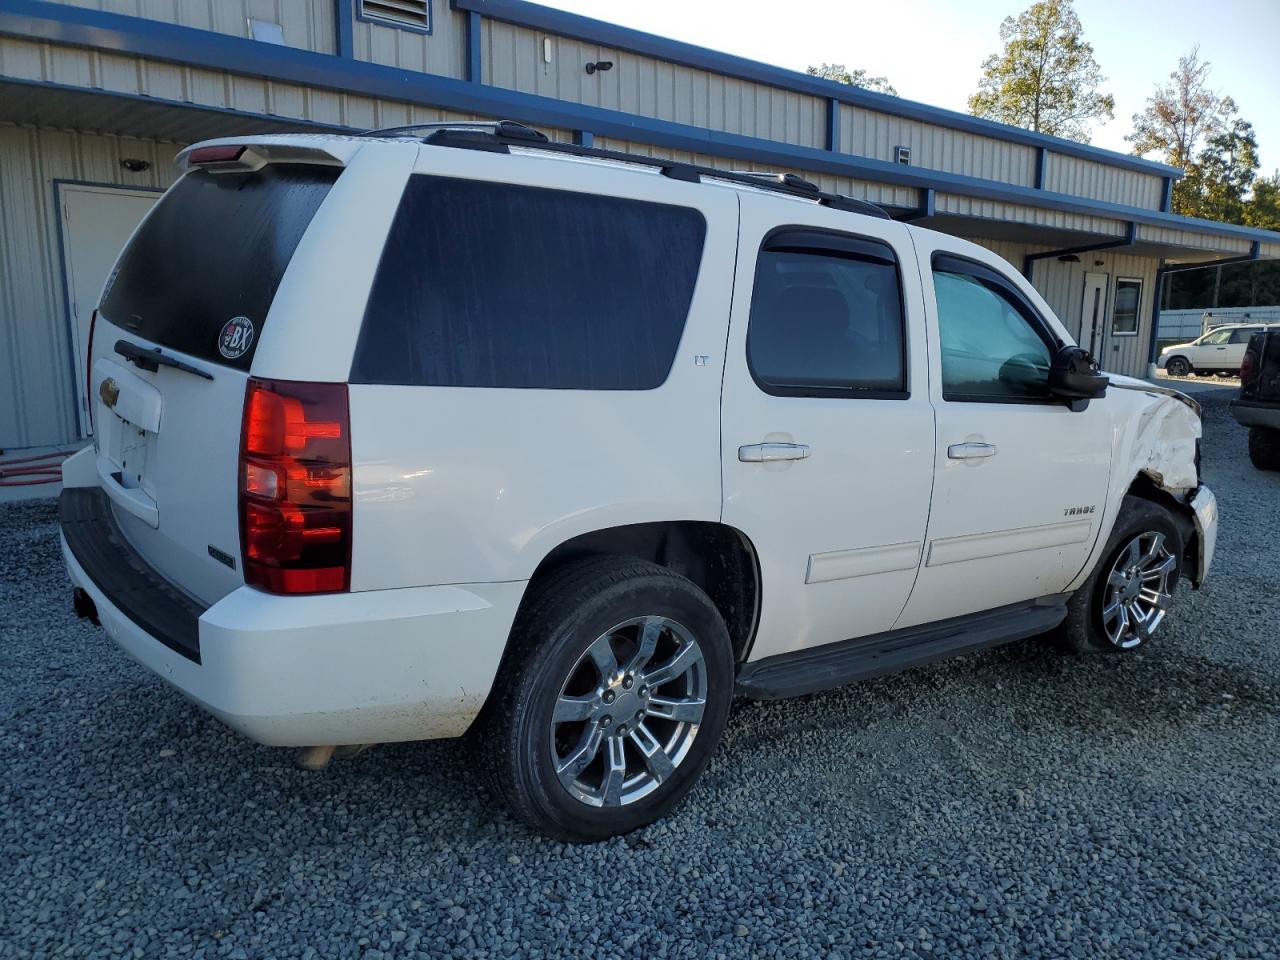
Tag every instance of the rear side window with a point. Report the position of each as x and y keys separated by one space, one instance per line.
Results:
x=493 y=285
x=826 y=317
x=214 y=250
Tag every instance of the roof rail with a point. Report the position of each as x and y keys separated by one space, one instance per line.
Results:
x=500 y=135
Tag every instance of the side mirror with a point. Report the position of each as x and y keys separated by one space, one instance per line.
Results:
x=1074 y=376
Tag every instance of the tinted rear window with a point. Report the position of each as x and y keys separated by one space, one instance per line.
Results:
x=214 y=249
x=493 y=285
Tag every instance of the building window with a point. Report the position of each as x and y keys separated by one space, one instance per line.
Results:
x=413 y=14
x=1124 y=320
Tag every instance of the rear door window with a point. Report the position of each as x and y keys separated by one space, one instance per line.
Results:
x=201 y=272
x=486 y=284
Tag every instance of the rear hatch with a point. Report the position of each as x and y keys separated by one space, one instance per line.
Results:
x=180 y=320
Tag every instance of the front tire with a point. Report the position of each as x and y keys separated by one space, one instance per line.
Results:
x=1125 y=599
x=1264 y=448
x=612 y=696
x=1178 y=367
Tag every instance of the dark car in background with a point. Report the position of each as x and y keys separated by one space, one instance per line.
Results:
x=1258 y=405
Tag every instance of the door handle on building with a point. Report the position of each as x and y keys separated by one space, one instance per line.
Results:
x=970 y=450
x=769 y=452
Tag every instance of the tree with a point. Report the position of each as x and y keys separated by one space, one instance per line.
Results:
x=1178 y=118
x=1046 y=78
x=1263 y=208
x=854 y=78
x=1219 y=178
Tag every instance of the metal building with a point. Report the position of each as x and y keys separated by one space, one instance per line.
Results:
x=96 y=96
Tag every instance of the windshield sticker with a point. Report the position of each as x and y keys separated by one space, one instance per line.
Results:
x=236 y=338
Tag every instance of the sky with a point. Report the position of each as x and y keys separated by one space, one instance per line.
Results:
x=933 y=51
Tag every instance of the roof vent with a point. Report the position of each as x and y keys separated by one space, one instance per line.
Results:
x=409 y=13
x=902 y=155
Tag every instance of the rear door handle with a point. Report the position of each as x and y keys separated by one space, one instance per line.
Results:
x=769 y=452
x=970 y=450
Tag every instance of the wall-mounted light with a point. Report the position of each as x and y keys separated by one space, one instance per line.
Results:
x=1069 y=258
x=134 y=165
x=601 y=65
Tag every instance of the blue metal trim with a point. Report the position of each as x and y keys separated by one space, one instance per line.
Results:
x=1130 y=238
x=343 y=17
x=1166 y=195
x=396 y=24
x=475 y=63
x=1040 y=159
x=68 y=322
x=833 y=124
x=40 y=20
x=583 y=138
x=689 y=55
x=926 y=207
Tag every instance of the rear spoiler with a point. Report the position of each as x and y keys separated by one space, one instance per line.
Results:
x=222 y=156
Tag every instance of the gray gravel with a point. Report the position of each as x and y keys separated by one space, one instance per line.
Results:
x=1006 y=804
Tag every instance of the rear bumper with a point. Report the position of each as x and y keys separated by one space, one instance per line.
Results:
x=1252 y=413
x=376 y=666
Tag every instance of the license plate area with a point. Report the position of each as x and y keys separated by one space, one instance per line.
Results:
x=128 y=423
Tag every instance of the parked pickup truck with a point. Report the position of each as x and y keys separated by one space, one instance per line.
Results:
x=1258 y=405
x=454 y=430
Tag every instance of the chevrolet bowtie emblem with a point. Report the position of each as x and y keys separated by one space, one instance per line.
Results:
x=109 y=391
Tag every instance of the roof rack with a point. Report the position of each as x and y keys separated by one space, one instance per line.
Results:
x=498 y=136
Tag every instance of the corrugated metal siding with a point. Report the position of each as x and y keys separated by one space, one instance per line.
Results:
x=863 y=190
x=37 y=396
x=307 y=24
x=514 y=59
x=1085 y=178
x=1193 y=240
x=1016 y=213
x=866 y=133
x=442 y=52
x=124 y=74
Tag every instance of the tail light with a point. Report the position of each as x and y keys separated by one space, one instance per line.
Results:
x=295 y=487
x=88 y=369
x=1247 y=366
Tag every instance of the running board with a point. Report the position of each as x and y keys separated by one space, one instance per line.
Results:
x=835 y=664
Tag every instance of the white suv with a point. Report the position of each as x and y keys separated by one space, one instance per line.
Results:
x=1221 y=350
x=454 y=429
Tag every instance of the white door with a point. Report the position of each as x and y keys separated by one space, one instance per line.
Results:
x=827 y=439
x=1020 y=479
x=1093 y=312
x=96 y=224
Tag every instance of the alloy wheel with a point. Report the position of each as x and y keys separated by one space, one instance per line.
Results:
x=629 y=711
x=1138 y=590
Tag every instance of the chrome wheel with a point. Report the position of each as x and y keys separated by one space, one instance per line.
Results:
x=1138 y=590
x=629 y=711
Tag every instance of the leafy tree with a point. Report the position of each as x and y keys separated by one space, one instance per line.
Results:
x=1218 y=180
x=1046 y=78
x=854 y=78
x=1263 y=208
x=1180 y=117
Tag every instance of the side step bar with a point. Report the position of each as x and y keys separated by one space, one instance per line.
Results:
x=835 y=664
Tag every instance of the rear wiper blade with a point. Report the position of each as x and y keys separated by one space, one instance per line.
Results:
x=152 y=360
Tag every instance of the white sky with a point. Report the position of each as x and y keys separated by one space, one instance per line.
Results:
x=932 y=50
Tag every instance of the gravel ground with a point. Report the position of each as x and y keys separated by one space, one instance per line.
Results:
x=1012 y=803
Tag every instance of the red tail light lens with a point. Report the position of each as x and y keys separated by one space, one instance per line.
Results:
x=295 y=487
x=215 y=155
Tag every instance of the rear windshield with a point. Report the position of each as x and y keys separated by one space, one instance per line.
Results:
x=494 y=285
x=203 y=269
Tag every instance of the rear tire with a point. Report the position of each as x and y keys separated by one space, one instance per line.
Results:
x=1127 y=596
x=1178 y=367
x=611 y=698
x=1264 y=448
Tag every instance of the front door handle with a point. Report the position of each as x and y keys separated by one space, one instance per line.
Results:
x=769 y=452
x=970 y=451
